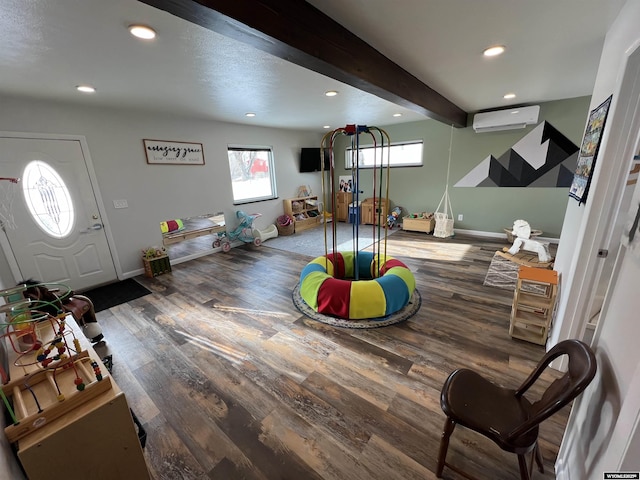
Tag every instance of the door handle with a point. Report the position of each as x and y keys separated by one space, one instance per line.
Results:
x=95 y=226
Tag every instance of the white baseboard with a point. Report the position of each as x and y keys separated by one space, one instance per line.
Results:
x=140 y=271
x=236 y=243
x=480 y=233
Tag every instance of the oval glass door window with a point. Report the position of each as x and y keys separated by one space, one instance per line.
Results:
x=48 y=199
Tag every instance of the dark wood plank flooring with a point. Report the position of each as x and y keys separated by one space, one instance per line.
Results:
x=232 y=382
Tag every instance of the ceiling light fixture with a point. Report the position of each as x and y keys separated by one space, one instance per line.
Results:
x=331 y=93
x=142 y=31
x=326 y=127
x=493 y=51
x=249 y=114
x=85 y=88
x=509 y=96
x=397 y=114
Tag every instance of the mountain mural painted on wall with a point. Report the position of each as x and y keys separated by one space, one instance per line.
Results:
x=542 y=158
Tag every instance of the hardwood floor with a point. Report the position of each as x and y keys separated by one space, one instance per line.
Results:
x=232 y=382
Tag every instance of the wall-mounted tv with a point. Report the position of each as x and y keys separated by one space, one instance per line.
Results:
x=310 y=160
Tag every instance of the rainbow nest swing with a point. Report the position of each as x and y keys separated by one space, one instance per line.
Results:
x=358 y=289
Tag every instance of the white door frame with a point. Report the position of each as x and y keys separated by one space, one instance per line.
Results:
x=4 y=241
x=619 y=141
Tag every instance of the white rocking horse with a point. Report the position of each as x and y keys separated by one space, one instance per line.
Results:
x=522 y=232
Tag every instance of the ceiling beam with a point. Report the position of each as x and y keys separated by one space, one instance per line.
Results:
x=298 y=32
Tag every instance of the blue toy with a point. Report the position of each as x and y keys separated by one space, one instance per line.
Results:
x=243 y=232
x=392 y=219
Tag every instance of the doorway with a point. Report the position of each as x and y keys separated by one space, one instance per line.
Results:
x=59 y=234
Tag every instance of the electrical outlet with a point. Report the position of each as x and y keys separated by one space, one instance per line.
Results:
x=460 y=217
x=120 y=204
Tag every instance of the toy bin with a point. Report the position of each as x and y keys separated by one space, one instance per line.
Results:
x=156 y=266
x=418 y=224
x=354 y=214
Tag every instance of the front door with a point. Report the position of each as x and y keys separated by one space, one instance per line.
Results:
x=58 y=234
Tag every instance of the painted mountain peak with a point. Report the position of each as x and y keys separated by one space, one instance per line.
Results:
x=542 y=158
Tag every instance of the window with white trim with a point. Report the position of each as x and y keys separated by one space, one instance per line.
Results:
x=252 y=173
x=405 y=154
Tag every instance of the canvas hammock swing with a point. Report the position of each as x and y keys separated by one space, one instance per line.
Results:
x=444 y=218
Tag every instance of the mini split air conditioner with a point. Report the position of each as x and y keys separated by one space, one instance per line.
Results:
x=509 y=119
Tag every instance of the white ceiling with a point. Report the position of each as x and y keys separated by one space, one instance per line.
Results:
x=47 y=47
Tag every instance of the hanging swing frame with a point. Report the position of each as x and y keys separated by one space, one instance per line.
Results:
x=444 y=219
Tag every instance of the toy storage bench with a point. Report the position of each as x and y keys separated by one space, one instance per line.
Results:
x=418 y=224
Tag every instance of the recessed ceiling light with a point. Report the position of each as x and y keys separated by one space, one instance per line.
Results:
x=142 y=31
x=509 y=96
x=397 y=114
x=327 y=127
x=249 y=114
x=493 y=51
x=86 y=89
x=331 y=93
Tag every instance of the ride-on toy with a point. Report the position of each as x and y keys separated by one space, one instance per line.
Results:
x=243 y=232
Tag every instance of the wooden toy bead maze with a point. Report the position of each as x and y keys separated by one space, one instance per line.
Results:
x=70 y=401
x=55 y=384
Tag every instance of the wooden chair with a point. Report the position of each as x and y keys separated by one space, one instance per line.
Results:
x=505 y=415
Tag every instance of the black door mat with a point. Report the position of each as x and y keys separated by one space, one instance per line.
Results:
x=114 y=294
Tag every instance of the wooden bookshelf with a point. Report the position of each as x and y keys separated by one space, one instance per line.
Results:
x=304 y=211
x=534 y=300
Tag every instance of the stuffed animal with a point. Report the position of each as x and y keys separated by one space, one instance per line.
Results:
x=392 y=218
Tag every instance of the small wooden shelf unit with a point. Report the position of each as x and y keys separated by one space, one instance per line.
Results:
x=374 y=211
x=343 y=199
x=156 y=266
x=534 y=300
x=306 y=207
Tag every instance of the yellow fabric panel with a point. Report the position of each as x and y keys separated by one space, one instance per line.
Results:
x=326 y=263
x=367 y=300
x=376 y=262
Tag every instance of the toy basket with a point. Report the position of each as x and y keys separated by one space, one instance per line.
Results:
x=285 y=229
x=285 y=225
x=297 y=206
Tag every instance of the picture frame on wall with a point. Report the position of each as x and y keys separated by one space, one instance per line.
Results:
x=589 y=151
x=346 y=183
x=165 y=152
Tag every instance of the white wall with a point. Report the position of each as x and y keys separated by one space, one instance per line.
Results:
x=604 y=419
x=161 y=192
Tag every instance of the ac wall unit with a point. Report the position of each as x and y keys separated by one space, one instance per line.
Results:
x=509 y=119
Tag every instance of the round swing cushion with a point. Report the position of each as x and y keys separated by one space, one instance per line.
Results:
x=327 y=285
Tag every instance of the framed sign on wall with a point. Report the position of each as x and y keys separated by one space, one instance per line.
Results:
x=589 y=151
x=173 y=153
